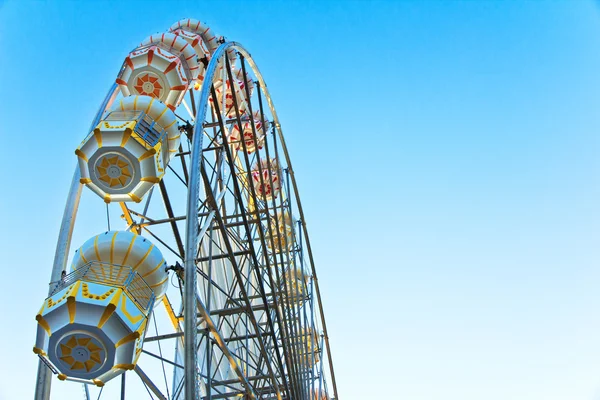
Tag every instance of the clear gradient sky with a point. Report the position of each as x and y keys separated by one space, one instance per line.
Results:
x=447 y=154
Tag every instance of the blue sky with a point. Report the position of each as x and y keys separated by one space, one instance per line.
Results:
x=447 y=157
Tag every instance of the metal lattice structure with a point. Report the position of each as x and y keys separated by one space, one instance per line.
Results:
x=243 y=317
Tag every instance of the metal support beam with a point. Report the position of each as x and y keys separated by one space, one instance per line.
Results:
x=149 y=382
x=167 y=201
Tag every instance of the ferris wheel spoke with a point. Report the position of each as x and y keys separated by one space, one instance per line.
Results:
x=149 y=384
x=177 y=175
x=190 y=94
x=189 y=111
x=184 y=168
x=162 y=359
x=171 y=215
x=162 y=242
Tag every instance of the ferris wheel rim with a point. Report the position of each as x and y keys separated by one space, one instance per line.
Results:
x=194 y=192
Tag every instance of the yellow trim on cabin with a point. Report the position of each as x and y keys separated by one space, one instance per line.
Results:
x=98 y=137
x=161 y=114
x=81 y=154
x=149 y=105
x=160 y=283
x=131 y=318
x=112 y=249
x=110 y=309
x=39 y=351
x=154 y=269
x=124 y=366
x=149 y=153
x=85 y=292
x=143 y=258
x=98 y=382
x=129 y=249
x=44 y=324
x=152 y=179
x=126 y=339
x=134 y=197
x=72 y=307
x=126 y=135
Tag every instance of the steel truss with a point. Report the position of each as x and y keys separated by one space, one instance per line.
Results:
x=250 y=323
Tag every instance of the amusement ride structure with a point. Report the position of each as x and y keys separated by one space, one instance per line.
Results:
x=209 y=291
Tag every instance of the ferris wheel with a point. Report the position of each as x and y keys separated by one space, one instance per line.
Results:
x=200 y=281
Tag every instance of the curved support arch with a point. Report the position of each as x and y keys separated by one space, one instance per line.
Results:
x=63 y=245
x=191 y=243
